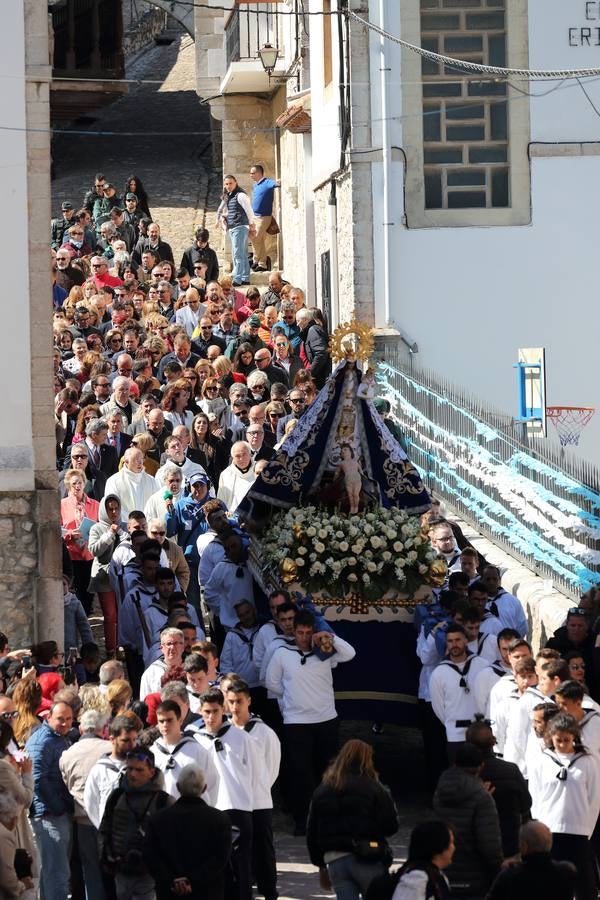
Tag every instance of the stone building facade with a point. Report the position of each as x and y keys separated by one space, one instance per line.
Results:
x=31 y=606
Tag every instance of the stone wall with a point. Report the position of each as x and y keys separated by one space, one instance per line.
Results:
x=139 y=32
x=293 y=213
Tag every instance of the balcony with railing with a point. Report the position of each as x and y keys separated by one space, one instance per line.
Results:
x=249 y=27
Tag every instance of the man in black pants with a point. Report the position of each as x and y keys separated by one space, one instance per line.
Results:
x=300 y=674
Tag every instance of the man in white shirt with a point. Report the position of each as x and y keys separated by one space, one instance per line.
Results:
x=230 y=581
x=270 y=629
x=550 y=674
x=525 y=677
x=568 y=696
x=172 y=644
x=269 y=751
x=300 y=674
x=237 y=654
x=442 y=539
x=502 y=604
x=190 y=312
x=499 y=668
x=518 y=649
x=236 y=760
x=195 y=667
x=174 y=750
x=451 y=686
x=483 y=645
x=104 y=775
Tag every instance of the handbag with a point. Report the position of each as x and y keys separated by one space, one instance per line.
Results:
x=373 y=851
x=273 y=226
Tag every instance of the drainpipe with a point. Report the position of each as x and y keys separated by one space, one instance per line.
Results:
x=387 y=159
x=333 y=260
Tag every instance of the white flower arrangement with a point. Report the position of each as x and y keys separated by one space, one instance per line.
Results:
x=368 y=553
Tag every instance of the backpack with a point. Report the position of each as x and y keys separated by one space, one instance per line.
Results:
x=383 y=886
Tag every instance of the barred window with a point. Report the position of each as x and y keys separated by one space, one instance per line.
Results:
x=465 y=117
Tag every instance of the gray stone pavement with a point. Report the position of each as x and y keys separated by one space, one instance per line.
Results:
x=184 y=193
x=160 y=132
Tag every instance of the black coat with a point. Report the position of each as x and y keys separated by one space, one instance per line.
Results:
x=462 y=801
x=316 y=347
x=189 y=839
x=512 y=799
x=364 y=810
x=538 y=875
x=197 y=254
x=162 y=248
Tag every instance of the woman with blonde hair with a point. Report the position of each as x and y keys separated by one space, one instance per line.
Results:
x=27 y=697
x=351 y=815
x=119 y=694
x=92 y=698
x=145 y=442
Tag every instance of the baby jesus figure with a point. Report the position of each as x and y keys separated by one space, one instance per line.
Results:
x=351 y=471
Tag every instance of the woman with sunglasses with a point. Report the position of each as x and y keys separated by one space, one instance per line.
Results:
x=113 y=342
x=211 y=401
x=285 y=358
x=210 y=451
x=133 y=185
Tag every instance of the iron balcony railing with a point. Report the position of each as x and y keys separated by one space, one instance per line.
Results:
x=249 y=28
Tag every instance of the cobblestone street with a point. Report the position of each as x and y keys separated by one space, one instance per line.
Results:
x=149 y=132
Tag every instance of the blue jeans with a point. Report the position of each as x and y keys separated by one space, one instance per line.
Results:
x=53 y=836
x=239 y=254
x=350 y=876
x=87 y=837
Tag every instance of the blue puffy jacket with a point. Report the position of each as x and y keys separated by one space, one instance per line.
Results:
x=50 y=796
x=187 y=522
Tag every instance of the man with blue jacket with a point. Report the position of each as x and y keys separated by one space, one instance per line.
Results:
x=52 y=804
x=262 y=207
x=186 y=521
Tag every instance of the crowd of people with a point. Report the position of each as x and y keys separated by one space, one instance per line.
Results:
x=140 y=760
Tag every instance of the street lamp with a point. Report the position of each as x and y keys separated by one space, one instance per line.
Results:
x=268 y=57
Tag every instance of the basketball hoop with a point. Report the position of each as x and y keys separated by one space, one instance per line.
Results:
x=569 y=421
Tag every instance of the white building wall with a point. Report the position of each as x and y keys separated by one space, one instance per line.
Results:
x=470 y=296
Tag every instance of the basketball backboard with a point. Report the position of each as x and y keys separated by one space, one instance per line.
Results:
x=531 y=386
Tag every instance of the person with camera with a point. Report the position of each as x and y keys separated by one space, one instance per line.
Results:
x=351 y=815
x=123 y=828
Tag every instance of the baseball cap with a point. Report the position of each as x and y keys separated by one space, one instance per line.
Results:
x=198 y=478
x=254 y=321
x=131 y=196
x=66 y=204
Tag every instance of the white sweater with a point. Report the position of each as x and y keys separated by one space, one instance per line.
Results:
x=268 y=752
x=100 y=784
x=305 y=683
x=452 y=703
x=189 y=752
x=235 y=758
x=568 y=806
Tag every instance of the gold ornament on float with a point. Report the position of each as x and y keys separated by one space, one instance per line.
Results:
x=288 y=570
x=438 y=572
x=353 y=341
